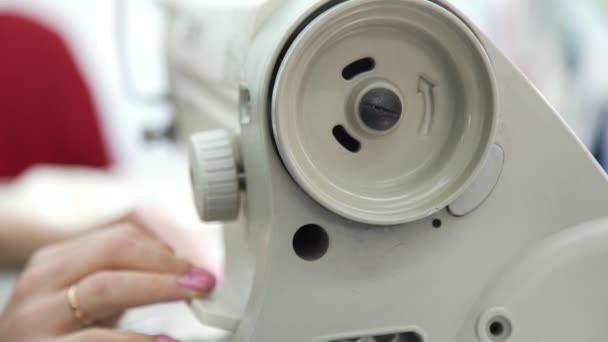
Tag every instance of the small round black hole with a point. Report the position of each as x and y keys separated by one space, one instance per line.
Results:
x=497 y=329
x=437 y=223
x=311 y=242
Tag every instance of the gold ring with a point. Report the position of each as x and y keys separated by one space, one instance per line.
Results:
x=74 y=305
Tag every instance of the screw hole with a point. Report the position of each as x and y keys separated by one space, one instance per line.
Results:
x=346 y=140
x=499 y=329
x=437 y=223
x=358 y=67
x=311 y=242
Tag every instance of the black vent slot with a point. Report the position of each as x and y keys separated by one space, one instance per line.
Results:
x=358 y=67
x=346 y=140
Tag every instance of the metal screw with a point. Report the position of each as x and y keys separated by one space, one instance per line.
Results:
x=380 y=109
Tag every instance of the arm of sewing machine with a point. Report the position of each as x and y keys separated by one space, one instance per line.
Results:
x=403 y=182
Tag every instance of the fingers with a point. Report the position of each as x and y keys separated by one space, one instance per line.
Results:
x=102 y=335
x=120 y=248
x=107 y=294
x=114 y=269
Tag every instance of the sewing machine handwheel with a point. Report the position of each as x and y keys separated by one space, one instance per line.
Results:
x=386 y=118
x=214 y=176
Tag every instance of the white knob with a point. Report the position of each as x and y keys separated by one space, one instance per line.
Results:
x=214 y=176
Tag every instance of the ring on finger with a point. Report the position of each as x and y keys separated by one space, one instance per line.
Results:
x=74 y=304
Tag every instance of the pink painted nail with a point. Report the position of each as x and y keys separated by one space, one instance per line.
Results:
x=164 y=338
x=198 y=280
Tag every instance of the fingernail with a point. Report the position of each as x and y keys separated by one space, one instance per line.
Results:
x=164 y=338
x=199 y=280
x=200 y=271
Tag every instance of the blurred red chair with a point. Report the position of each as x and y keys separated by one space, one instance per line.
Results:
x=47 y=113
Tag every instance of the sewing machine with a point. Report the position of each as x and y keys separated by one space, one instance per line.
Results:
x=399 y=180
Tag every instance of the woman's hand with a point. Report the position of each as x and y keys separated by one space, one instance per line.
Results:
x=107 y=271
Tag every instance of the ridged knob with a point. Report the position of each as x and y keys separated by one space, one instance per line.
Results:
x=214 y=176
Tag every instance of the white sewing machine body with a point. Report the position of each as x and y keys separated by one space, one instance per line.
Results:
x=517 y=253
